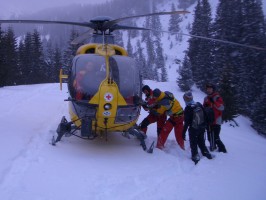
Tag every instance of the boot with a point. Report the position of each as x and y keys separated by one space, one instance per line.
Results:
x=159 y=145
x=195 y=158
x=213 y=148
x=207 y=155
x=223 y=150
x=221 y=147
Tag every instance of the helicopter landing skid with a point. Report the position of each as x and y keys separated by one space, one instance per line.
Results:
x=63 y=128
x=140 y=136
x=126 y=135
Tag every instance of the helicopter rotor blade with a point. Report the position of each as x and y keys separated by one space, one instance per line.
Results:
x=112 y=25
x=115 y=21
x=85 y=24
x=100 y=23
x=213 y=39
x=121 y=27
x=226 y=42
x=82 y=37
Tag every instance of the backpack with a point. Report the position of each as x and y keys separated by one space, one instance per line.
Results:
x=210 y=117
x=171 y=98
x=169 y=95
x=199 y=119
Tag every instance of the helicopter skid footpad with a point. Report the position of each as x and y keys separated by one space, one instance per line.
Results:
x=140 y=136
x=63 y=128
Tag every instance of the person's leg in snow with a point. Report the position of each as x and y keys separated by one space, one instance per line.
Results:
x=177 y=124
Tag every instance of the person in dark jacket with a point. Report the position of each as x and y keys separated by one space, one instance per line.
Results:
x=150 y=107
x=215 y=101
x=196 y=129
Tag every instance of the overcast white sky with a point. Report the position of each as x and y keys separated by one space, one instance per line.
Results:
x=8 y=7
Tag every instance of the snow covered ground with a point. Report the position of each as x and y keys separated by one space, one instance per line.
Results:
x=32 y=169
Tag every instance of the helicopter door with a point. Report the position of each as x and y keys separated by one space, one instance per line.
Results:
x=125 y=73
x=88 y=71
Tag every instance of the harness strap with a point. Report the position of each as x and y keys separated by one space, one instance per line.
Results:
x=172 y=104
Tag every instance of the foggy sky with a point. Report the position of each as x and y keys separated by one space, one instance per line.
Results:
x=9 y=7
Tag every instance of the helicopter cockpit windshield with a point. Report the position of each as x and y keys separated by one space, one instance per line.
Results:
x=125 y=73
x=88 y=71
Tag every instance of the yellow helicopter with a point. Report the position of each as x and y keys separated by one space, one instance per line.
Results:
x=104 y=83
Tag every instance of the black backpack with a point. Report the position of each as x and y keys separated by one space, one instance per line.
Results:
x=199 y=117
x=169 y=95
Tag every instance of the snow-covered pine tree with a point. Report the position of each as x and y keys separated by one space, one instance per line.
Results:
x=205 y=47
x=258 y=116
x=174 y=21
x=227 y=63
x=155 y=23
x=57 y=63
x=141 y=62
x=146 y=37
x=119 y=38
x=25 y=62
x=70 y=52
x=199 y=51
x=229 y=93
x=253 y=33
x=133 y=33
x=2 y=65
x=48 y=57
x=160 y=63
x=21 y=66
x=10 y=57
x=37 y=58
x=184 y=81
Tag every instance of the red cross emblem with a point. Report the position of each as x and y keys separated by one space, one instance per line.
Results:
x=108 y=97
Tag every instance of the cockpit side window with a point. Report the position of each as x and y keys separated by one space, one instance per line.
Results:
x=88 y=71
x=125 y=73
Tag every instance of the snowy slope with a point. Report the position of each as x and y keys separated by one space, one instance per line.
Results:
x=117 y=169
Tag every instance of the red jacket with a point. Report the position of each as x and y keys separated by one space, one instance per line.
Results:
x=217 y=105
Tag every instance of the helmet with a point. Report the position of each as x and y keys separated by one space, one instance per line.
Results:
x=156 y=92
x=146 y=87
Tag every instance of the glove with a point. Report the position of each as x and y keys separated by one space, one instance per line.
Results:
x=151 y=103
x=184 y=136
x=211 y=99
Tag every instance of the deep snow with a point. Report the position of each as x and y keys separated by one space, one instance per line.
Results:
x=117 y=169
